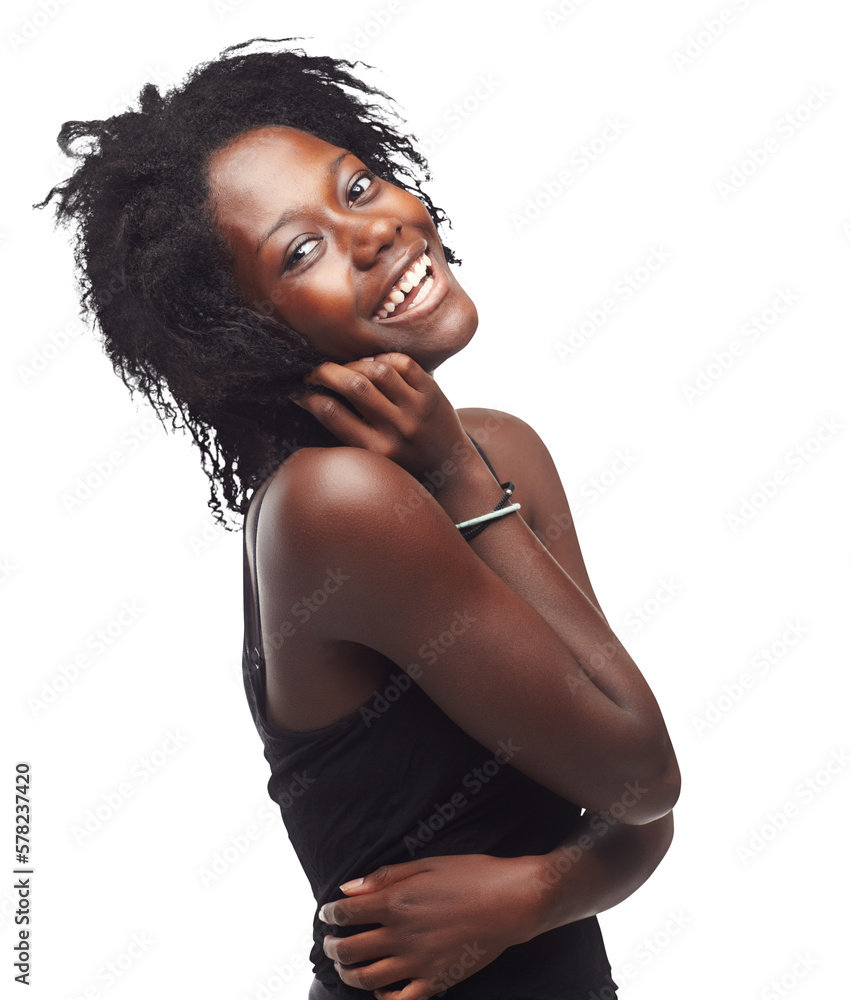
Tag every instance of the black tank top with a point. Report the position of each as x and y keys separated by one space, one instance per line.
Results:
x=398 y=780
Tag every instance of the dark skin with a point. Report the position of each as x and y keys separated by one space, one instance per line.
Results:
x=588 y=724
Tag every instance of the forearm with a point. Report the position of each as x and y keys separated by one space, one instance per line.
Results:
x=603 y=861
x=510 y=548
x=598 y=866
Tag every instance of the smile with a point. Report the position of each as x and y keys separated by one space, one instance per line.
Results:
x=417 y=291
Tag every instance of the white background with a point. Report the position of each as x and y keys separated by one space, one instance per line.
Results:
x=719 y=918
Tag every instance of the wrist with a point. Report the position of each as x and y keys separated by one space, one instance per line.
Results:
x=466 y=490
x=536 y=876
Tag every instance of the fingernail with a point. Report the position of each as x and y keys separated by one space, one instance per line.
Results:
x=368 y=359
x=321 y=913
x=354 y=883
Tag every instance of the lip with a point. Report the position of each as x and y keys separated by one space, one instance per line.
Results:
x=431 y=302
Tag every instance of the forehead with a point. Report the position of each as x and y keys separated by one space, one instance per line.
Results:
x=260 y=171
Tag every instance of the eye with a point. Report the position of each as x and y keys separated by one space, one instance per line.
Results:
x=301 y=250
x=363 y=182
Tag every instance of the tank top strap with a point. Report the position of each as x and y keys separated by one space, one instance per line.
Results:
x=253 y=645
x=484 y=456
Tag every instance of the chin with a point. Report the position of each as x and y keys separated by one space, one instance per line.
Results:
x=462 y=334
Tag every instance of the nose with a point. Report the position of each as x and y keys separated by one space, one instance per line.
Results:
x=370 y=234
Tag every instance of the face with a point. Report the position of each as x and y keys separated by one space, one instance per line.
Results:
x=327 y=245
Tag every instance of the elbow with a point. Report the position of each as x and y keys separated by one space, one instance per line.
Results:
x=664 y=793
x=643 y=795
x=655 y=795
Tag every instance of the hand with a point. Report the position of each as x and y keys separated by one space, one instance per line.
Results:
x=402 y=413
x=443 y=918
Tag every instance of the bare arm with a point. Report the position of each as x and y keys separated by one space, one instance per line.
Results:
x=550 y=575
x=603 y=862
x=596 y=868
x=433 y=910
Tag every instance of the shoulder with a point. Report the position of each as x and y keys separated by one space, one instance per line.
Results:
x=330 y=477
x=319 y=497
x=515 y=450
x=362 y=518
x=499 y=432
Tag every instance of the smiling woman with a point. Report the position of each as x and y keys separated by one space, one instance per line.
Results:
x=469 y=764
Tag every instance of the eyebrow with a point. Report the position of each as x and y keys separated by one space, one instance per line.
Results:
x=290 y=214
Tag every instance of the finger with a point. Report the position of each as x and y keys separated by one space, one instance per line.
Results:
x=346 y=911
x=417 y=989
x=368 y=946
x=415 y=376
x=346 y=425
x=357 y=388
x=373 y=976
x=365 y=908
x=386 y=377
x=317 y=375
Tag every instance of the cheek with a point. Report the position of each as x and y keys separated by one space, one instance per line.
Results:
x=317 y=307
x=418 y=207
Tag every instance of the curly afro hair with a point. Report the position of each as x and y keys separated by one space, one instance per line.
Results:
x=153 y=270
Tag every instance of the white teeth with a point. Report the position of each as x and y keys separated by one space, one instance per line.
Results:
x=409 y=280
x=425 y=288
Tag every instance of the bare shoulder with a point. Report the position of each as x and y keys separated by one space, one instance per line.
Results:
x=321 y=513
x=320 y=495
x=500 y=434
x=323 y=480
x=489 y=421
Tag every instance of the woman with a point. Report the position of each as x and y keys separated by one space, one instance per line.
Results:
x=438 y=700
